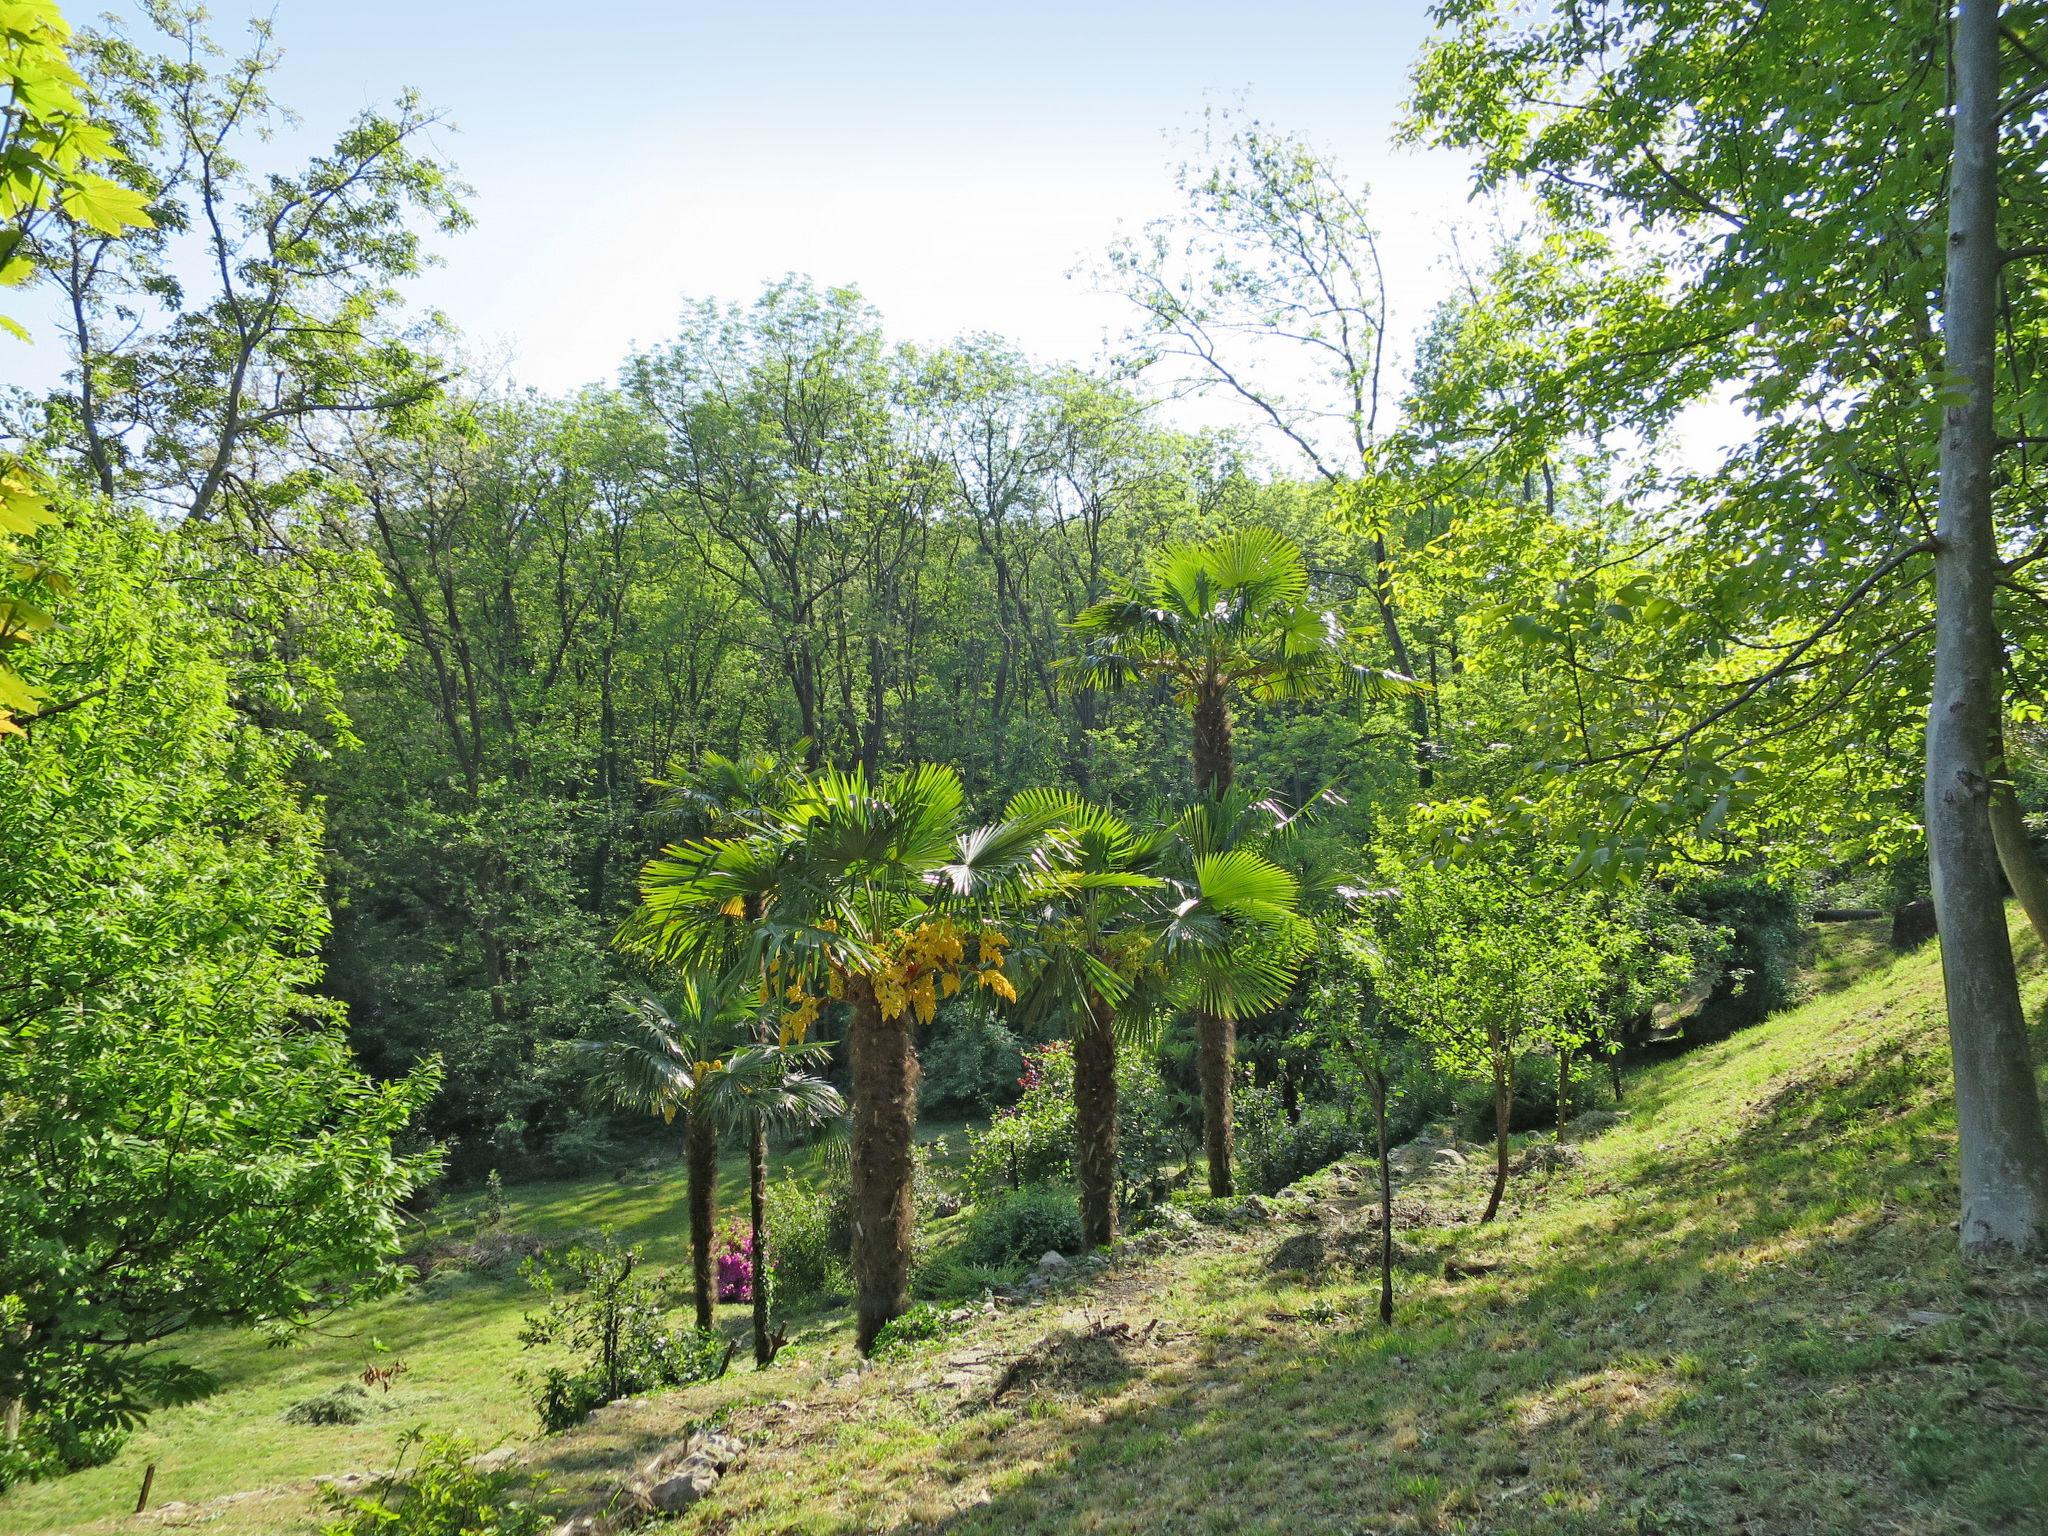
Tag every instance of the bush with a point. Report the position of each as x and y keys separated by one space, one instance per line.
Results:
x=346 y=1404
x=922 y=1324
x=614 y=1314
x=1011 y=1229
x=807 y=1237
x=972 y=1063
x=1535 y=1097
x=949 y=1277
x=586 y=1145
x=1764 y=923
x=52 y=1444
x=1031 y=1142
x=444 y=1492
x=1272 y=1153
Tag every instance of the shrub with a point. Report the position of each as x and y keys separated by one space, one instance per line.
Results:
x=1010 y=1229
x=346 y=1404
x=807 y=1239
x=1764 y=922
x=444 y=1492
x=1534 y=1107
x=1272 y=1152
x=52 y=1443
x=735 y=1263
x=1031 y=1142
x=1151 y=1128
x=949 y=1277
x=586 y=1145
x=972 y=1063
x=922 y=1324
x=614 y=1316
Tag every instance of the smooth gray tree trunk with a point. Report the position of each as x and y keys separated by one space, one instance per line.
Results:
x=1998 y=1113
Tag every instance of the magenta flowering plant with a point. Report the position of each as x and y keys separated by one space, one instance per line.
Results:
x=736 y=1266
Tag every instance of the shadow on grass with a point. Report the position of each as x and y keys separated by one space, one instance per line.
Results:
x=1770 y=1328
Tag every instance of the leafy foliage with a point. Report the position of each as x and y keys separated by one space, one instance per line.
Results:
x=600 y=1307
x=437 y=1487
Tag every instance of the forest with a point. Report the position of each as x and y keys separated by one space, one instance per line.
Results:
x=911 y=829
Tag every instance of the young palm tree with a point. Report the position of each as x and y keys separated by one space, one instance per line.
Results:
x=1132 y=923
x=855 y=890
x=692 y=1060
x=1216 y=619
x=1232 y=945
x=780 y=1092
x=1097 y=909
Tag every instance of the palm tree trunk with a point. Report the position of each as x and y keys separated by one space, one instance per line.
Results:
x=1379 y=1114
x=757 y=1203
x=1503 y=1113
x=701 y=1153
x=1998 y=1109
x=1213 y=761
x=1095 y=1124
x=885 y=1073
x=1218 y=1058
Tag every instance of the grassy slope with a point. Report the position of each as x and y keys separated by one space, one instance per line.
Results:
x=1704 y=1327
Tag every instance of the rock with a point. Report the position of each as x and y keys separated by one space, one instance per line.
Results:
x=682 y=1488
x=1592 y=1123
x=720 y=1450
x=1924 y=1319
x=495 y=1460
x=1260 y=1207
x=1052 y=1261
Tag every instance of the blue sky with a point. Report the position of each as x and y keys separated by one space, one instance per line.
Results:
x=954 y=161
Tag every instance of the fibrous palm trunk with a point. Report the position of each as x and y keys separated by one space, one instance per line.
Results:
x=1095 y=1124
x=701 y=1155
x=1998 y=1113
x=1217 y=1055
x=885 y=1074
x=1213 y=759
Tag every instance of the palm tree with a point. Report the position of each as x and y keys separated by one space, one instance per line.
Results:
x=1097 y=910
x=1131 y=924
x=1228 y=616
x=722 y=796
x=687 y=1061
x=856 y=891
x=1232 y=945
x=779 y=1092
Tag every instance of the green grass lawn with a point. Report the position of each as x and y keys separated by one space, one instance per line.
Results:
x=456 y=1332
x=1742 y=1311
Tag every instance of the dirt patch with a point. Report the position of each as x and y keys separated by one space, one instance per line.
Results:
x=1075 y=1361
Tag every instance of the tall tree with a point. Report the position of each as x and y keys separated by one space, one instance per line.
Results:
x=1774 y=275
x=1998 y=1110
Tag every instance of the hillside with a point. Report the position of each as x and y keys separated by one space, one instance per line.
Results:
x=1735 y=1307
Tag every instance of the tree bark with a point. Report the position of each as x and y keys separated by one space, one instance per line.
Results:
x=1214 y=764
x=1217 y=1054
x=2009 y=834
x=1998 y=1113
x=1503 y=1114
x=1564 y=1088
x=885 y=1073
x=757 y=1213
x=1095 y=1124
x=1379 y=1115
x=701 y=1154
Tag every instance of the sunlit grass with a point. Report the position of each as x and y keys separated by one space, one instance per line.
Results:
x=1706 y=1326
